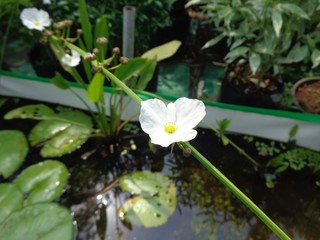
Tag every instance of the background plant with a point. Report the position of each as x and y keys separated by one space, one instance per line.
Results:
x=266 y=35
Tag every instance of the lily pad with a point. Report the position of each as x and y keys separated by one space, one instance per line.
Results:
x=37 y=111
x=64 y=134
x=44 y=221
x=14 y=148
x=11 y=199
x=155 y=203
x=43 y=182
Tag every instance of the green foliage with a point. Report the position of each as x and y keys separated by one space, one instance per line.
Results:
x=62 y=132
x=296 y=159
x=155 y=199
x=150 y=16
x=266 y=35
x=14 y=148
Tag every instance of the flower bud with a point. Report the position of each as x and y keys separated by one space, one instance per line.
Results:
x=102 y=40
x=95 y=51
x=90 y=56
x=116 y=50
x=79 y=31
x=95 y=69
x=124 y=59
x=68 y=23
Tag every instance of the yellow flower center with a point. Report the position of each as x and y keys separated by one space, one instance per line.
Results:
x=36 y=23
x=170 y=127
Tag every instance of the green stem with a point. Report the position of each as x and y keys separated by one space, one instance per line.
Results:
x=236 y=191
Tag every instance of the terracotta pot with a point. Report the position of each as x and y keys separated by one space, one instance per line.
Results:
x=307 y=94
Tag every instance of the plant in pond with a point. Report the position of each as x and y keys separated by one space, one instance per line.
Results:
x=65 y=131
x=27 y=209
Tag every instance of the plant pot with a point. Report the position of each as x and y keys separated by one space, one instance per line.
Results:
x=306 y=93
x=234 y=91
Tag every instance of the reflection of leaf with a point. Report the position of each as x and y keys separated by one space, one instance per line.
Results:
x=14 y=148
x=45 y=221
x=11 y=199
x=43 y=182
x=156 y=200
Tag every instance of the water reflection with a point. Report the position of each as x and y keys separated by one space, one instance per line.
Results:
x=205 y=208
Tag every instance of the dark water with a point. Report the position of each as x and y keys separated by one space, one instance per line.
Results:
x=205 y=208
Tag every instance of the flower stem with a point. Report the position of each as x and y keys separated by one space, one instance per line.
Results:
x=236 y=191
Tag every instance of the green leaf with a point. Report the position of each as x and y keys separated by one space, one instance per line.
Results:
x=38 y=112
x=254 y=62
x=11 y=199
x=224 y=123
x=293 y=131
x=60 y=81
x=14 y=148
x=292 y=8
x=146 y=74
x=213 y=41
x=277 y=21
x=315 y=58
x=95 y=89
x=156 y=201
x=225 y=140
x=297 y=54
x=43 y=182
x=45 y=221
x=127 y=70
x=62 y=135
x=163 y=51
x=236 y=53
x=101 y=30
x=85 y=24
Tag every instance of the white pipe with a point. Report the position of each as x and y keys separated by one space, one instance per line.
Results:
x=129 y=15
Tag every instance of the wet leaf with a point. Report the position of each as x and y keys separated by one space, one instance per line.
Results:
x=14 y=148
x=11 y=199
x=156 y=200
x=64 y=134
x=43 y=182
x=44 y=221
x=37 y=111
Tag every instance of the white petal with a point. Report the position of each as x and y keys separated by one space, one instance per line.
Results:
x=30 y=16
x=152 y=115
x=160 y=137
x=189 y=112
x=171 y=113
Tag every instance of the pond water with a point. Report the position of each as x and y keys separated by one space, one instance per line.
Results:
x=205 y=208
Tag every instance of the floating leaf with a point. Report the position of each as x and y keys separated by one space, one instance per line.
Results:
x=11 y=199
x=65 y=133
x=14 y=148
x=44 y=221
x=43 y=182
x=156 y=200
x=38 y=112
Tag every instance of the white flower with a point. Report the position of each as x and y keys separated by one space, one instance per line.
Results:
x=46 y=1
x=33 y=18
x=72 y=59
x=172 y=123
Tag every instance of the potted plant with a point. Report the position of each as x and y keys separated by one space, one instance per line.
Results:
x=306 y=93
x=260 y=45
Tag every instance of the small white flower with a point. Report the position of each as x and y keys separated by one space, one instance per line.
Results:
x=72 y=59
x=46 y=1
x=172 y=123
x=33 y=18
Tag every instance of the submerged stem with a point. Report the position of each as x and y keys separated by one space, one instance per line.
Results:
x=236 y=191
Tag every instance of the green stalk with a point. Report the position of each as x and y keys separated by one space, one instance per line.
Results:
x=236 y=191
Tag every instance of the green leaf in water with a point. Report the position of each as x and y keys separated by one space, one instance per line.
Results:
x=11 y=199
x=38 y=112
x=14 y=148
x=44 y=221
x=156 y=200
x=63 y=134
x=43 y=182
